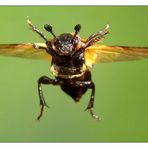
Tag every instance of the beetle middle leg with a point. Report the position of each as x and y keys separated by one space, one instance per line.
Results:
x=44 y=80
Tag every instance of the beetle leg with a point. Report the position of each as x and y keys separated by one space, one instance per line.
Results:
x=89 y=85
x=97 y=36
x=91 y=102
x=44 y=80
x=34 y=28
x=37 y=46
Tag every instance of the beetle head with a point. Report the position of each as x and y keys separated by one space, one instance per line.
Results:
x=64 y=44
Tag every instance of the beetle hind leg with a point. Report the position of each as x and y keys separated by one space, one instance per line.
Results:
x=93 y=113
x=89 y=85
x=44 y=80
x=91 y=102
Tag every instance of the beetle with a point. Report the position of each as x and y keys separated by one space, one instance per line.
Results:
x=72 y=59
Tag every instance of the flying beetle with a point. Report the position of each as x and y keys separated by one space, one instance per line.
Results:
x=71 y=60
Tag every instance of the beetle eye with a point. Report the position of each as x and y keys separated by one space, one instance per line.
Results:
x=74 y=40
x=56 y=42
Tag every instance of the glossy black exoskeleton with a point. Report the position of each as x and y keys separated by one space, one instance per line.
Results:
x=68 y=65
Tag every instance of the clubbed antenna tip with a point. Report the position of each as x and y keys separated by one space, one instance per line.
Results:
x=49 y=29
x=77 y=28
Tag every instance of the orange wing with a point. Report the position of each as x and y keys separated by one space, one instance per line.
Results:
x=93 y=54
x=103 y=54
x=25 y=51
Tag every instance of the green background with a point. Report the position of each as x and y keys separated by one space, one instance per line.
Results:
x=121 y=88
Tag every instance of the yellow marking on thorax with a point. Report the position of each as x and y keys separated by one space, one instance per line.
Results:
x=56 y=74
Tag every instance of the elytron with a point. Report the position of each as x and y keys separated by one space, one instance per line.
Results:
x=71 y=60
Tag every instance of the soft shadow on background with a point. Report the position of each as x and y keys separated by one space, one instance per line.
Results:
x=121 y=88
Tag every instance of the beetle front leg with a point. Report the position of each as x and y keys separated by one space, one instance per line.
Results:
x=34 y=28
x=44 y=80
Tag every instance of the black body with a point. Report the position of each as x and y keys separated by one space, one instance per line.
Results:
x=68 y=65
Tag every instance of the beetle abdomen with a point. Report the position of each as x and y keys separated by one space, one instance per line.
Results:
x=72 y=87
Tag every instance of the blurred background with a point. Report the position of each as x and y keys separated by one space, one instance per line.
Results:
x=121 y=88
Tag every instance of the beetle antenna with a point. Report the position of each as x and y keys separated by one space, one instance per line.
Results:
x=49 y=29
x=77 y=29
